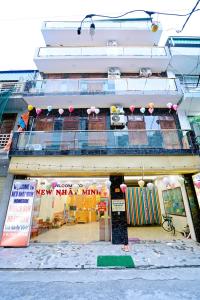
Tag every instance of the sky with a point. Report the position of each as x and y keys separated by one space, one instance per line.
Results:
x=21 y=22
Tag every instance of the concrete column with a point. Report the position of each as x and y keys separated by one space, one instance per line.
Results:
x=119 y=219
x=5 y=200
x=183 y=120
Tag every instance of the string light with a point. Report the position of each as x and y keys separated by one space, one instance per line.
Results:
x=154 y=26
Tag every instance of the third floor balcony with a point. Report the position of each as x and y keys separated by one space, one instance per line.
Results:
x=99 y=59
x=106 y=92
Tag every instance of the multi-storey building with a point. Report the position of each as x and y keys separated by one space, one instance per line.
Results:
x=105 y=112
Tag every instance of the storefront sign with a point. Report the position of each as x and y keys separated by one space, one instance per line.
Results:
x=16 y=232
x=118 y=205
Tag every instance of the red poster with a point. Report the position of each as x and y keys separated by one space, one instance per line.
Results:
x=16 y=232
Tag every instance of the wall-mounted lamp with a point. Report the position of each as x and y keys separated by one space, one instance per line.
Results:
x=92 y=29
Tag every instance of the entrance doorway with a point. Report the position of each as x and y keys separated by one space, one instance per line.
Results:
x=71 y=210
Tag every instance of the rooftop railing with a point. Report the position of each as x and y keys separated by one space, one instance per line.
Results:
x=124 y=141
x=143 y=24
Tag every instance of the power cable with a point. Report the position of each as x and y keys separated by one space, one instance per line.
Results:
x=149 y=13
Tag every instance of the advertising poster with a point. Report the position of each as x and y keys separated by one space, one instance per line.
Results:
x=16 y=232
x=118 y=205
x=196 y=180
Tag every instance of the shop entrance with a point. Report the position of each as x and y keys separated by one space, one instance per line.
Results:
x=71 y=210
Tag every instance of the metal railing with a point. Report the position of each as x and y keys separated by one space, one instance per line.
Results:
x=100 y=86
x=144 y=24
x=168 y=139
x=15 y=87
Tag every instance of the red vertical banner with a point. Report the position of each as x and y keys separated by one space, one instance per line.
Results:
x=16 y=232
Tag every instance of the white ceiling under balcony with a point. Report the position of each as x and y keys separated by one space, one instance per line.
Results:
x=139 y=99
x=129 y=34
x=128 y=61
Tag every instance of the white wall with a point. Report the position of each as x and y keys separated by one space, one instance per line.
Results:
x=179 y=221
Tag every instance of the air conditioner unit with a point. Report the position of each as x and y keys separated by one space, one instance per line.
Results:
x=112 y=43
x=145 y=72
x=114 y=73
x=118 y=120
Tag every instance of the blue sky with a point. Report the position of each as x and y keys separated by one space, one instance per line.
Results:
x=21 y=20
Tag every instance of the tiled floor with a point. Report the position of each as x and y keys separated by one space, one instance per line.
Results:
x=85 y=233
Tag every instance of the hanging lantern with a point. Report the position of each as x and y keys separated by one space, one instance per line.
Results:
x=150 y=186
x=61 y=111
x=123 y=187
x=132 y=108
x=30 y=107
x=49 y=108
x=97 y=111
x=108 y=183
x=151 y=110
x=89 y=111
x=92 y=108
x=154 y=27
x=151 y=105
x=38 y=111
x=141 y=183
x=71 y=109
x=113 y=109
x=175 y=107
x=142 y=110
x=169 y=105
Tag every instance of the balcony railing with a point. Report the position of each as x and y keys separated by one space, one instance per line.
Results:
x=15 y=87
x=100 y=86
x=101 y=51
x=107 y=142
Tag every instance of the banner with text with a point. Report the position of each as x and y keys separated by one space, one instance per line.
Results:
x=16 y=232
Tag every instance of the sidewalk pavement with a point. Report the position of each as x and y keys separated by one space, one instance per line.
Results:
x=146 y=255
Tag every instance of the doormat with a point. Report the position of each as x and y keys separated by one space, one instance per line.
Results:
x=125 y=261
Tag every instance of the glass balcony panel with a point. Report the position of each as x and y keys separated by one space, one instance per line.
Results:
x=102 y=51
x=108 y=139
x=99 y=86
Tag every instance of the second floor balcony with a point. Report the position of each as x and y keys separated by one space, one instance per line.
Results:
x=107 y=142
x=140 y=91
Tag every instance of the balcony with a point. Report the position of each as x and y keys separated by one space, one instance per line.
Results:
x=99 y=59
x=105 y=92
x=191 y=87
x=125 y=32
x=110 y=142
